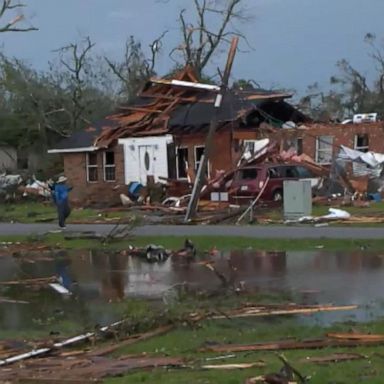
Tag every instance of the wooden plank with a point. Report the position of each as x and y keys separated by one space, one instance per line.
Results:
x=291 y=345
x=334 y=358
x=259 y=312
x=258 y=364
x=356 y=336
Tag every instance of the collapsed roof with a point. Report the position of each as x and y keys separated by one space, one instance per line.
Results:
x=164 y=107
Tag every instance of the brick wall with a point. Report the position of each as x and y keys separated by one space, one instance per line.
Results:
x=342 y=135
x=87 y=193
x=221 y=156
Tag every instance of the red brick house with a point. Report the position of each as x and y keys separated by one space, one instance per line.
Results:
x=161 y=133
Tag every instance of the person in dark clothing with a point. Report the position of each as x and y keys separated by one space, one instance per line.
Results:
x=60 y=197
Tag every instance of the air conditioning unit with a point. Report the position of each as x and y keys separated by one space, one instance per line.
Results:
x=364 y=118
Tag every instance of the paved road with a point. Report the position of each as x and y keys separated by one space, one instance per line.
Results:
x=262 y=232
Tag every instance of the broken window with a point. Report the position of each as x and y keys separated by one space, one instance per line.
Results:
x=92 y=172
x=362 y=143
x=304 y=172
x=182 y=162
x=273 y=173
x=199 y=152
x=109 y=166
x=288 y=172
x=249 y=146
x=299 y=146
x=324 y=149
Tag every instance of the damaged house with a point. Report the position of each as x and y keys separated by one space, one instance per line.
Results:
x=163 y=134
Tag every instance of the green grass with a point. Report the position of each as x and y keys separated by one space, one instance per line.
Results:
x=204 y=243
x=370 y=370
x=35 y=212
x=32 y=212
x=186 y=342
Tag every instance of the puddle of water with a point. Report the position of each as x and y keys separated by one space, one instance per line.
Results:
x=97 y=277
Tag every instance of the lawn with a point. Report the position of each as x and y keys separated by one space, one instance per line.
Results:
x=37 y=212
x=202 y=243
x=186 y=342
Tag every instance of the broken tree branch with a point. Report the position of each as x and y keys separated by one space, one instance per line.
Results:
x=9 y=5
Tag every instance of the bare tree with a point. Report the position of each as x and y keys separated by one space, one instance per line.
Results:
x=11 y=26
x=74 y=57
x=213 y=27
x=136 y=67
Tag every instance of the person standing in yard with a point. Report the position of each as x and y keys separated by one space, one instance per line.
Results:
x=60 y=198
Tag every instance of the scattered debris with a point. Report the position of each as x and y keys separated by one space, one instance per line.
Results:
x=60 y=288
x=287 y=375
x=334 y=215
x=84 y=368
x=156 y=253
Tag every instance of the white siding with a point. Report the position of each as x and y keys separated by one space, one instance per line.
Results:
x=133 y=165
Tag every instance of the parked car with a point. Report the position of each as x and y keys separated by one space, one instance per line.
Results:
x=249 y=181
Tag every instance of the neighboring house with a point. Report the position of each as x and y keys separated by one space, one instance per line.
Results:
x=8 y=159
x=322 y=141
x=163 y=135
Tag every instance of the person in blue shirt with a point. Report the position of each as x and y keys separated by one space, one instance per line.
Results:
x=60 y=198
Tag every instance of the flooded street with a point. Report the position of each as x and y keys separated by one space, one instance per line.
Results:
x=100 y=282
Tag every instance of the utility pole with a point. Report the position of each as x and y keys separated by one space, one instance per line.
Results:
x=192 y=206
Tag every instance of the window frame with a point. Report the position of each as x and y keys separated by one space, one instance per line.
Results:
x=92 y=166
x=364 y=148
x=177 y=162
x=246 y=143
x=110 y=166
x=319 y=150
x=250 y=169
x=197 y=162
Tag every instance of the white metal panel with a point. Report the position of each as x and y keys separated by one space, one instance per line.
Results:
x=134 y=155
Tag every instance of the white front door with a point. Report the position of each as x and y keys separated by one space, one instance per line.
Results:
x=146 y=162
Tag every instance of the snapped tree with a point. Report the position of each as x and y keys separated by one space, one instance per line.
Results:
x=213 y=27
x=136 y=67
x=13 y=25
x=351 y=91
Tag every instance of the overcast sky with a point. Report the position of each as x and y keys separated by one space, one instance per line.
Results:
x=296 y=42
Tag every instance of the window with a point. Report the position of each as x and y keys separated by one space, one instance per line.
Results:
x=249 y=145
x=362 y=143
x=199 y=152
x=324 y=149
x=290 y=172
x=273 y=173
x=295 y=143
x=182 y=162
x=304 y=173
x=299 y=146
x=248 y=174
x=92 y=173
x=109 y=166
